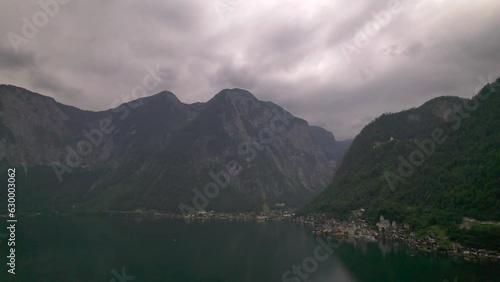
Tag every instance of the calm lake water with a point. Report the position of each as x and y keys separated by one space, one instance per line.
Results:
x=93 y=249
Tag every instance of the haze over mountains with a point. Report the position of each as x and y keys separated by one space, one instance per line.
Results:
x=158 y=152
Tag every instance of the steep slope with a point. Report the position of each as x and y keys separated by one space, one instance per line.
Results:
x=333 y=149
x=429 y=166
x=233 y=152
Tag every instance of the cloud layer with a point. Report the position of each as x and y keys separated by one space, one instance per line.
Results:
x=338 y=64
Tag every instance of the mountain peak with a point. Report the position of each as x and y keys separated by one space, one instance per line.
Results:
x=166 y=94
x=163 y=96
x=8 y=89
x=235 y=93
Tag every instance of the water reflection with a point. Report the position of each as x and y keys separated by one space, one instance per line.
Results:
x=89 y=248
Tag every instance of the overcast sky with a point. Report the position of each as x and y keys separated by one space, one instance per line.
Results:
x=304 y=55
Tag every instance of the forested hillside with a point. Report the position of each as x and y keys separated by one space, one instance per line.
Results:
x=428 y=167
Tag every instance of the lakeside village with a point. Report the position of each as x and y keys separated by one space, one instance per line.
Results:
x=357 y=228
x=323 y=225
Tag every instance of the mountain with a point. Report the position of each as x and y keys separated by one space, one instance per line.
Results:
x=231 y=153
x=333 y=149
x=429 y=167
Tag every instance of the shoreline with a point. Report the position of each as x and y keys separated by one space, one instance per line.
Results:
x=321 y=225
x=357 y=228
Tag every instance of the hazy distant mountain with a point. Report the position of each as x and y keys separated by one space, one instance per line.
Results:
x=428 y=166
x=333 y=149
x=152 y=153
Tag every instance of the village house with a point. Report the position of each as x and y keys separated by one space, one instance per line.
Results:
x=383 y=224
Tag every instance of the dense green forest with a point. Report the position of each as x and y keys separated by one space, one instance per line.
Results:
x=429 y=167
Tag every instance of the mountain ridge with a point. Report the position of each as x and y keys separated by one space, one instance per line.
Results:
x=429 y=167
x=155 y=151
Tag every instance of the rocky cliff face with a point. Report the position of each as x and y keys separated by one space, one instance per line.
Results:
x=233 y=152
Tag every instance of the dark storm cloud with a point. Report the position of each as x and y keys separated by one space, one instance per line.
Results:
x=11 y=60
x=92 y=52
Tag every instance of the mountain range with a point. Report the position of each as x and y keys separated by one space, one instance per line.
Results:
x=435 y=168
x=232 y=153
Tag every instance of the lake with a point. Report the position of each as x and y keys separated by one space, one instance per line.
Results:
x=119 y=249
